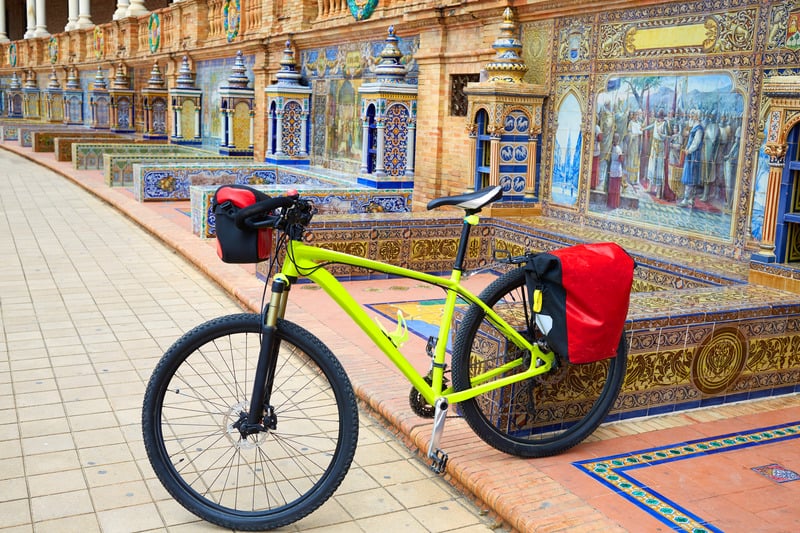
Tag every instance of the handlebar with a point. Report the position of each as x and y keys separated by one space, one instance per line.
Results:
x=260 y=212
x=294 y=215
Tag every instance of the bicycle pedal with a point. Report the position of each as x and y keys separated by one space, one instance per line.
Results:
x=439 y=461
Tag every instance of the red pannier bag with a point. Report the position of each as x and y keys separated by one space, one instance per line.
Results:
x=579 y=296
x=239 y=244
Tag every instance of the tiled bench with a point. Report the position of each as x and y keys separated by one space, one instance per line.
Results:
x=44 y=141
x=118 y=167
x=26 y=132
x=63 y=145
x=89 y=156
x=328 y=200
x=171 y=181
x=9 y=132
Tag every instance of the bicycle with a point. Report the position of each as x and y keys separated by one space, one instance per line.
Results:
x=251 y=422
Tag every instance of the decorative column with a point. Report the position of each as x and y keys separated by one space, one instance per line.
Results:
x=237 y=102
x=410 y=148
x=84 y=14
x=392 y=103
x=31 y=102
x=137 y=9
x=777 y=160
x=380 y=127
x=288 y=104
x=514 y=123
x=14 y=107
x=364 y=146
x=72 y=19
x=73 y=99
x=41 y=22
x=99 y=102
x=30 y=13
x=53 y=100
x=494 y=172
x=155 y=104
x=122 y=10
x=186 y=102
x=3 y=28
x=472 y=147
x=121 y=94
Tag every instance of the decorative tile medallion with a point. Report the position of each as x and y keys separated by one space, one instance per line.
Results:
x=361 y=9
x=154 y=27
x=231 y=18
x=777 y=473
x=52 y=50
x=618 y=472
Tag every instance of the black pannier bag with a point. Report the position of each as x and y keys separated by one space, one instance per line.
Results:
x=579 y=296
x=239 y=243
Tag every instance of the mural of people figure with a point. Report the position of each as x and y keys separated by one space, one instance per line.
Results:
x=598 y=138
x=606 y=122
x=730 y=163
x=615 y=174
x=693 y=163
x=710 y=147
x=655 y=163
x=633 y=150
x=677 y=154
x=647 y=141
x=725 y=138
x=621 y=119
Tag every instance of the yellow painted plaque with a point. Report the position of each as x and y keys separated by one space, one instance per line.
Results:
x=691 y=35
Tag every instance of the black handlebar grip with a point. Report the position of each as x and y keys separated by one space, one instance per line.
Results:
x=262 y=208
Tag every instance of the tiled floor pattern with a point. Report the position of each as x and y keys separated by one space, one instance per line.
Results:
x=90 y=430
x=625 y=474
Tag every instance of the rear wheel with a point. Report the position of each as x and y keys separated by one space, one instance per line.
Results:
x=536 y=417
x=194 y=405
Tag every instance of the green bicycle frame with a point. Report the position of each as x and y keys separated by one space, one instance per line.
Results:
x=303 y=260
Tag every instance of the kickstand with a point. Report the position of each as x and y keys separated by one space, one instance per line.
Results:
x=437 y=456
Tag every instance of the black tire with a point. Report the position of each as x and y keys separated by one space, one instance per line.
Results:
x=273 y=478
x=537 y=417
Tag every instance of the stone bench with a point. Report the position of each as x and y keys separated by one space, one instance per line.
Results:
x=329 y=200
x=89 y=156
x=9 y=132
x=172 y=181
x=63 y=145
x=118 y=167
x=44 y=141
x=26 y=133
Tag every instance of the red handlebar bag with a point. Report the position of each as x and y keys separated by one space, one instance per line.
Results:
x=579 y=296
x=239 y=244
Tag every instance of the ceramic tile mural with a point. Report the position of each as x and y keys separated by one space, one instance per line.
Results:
x=641 y=74
x=210 y=76
x=336 y=73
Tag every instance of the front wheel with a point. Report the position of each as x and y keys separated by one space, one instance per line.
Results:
x=199 y=394
x=536 y=417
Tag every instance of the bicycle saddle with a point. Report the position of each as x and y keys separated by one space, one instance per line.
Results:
x=472 y=201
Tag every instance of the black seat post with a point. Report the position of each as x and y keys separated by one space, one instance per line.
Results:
x=463 y=243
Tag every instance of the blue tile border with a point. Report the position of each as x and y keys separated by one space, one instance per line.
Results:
x=612 y=471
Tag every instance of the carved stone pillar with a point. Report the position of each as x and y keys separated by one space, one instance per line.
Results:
x=777 y=156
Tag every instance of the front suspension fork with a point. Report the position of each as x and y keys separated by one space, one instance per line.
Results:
x=267 y=359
